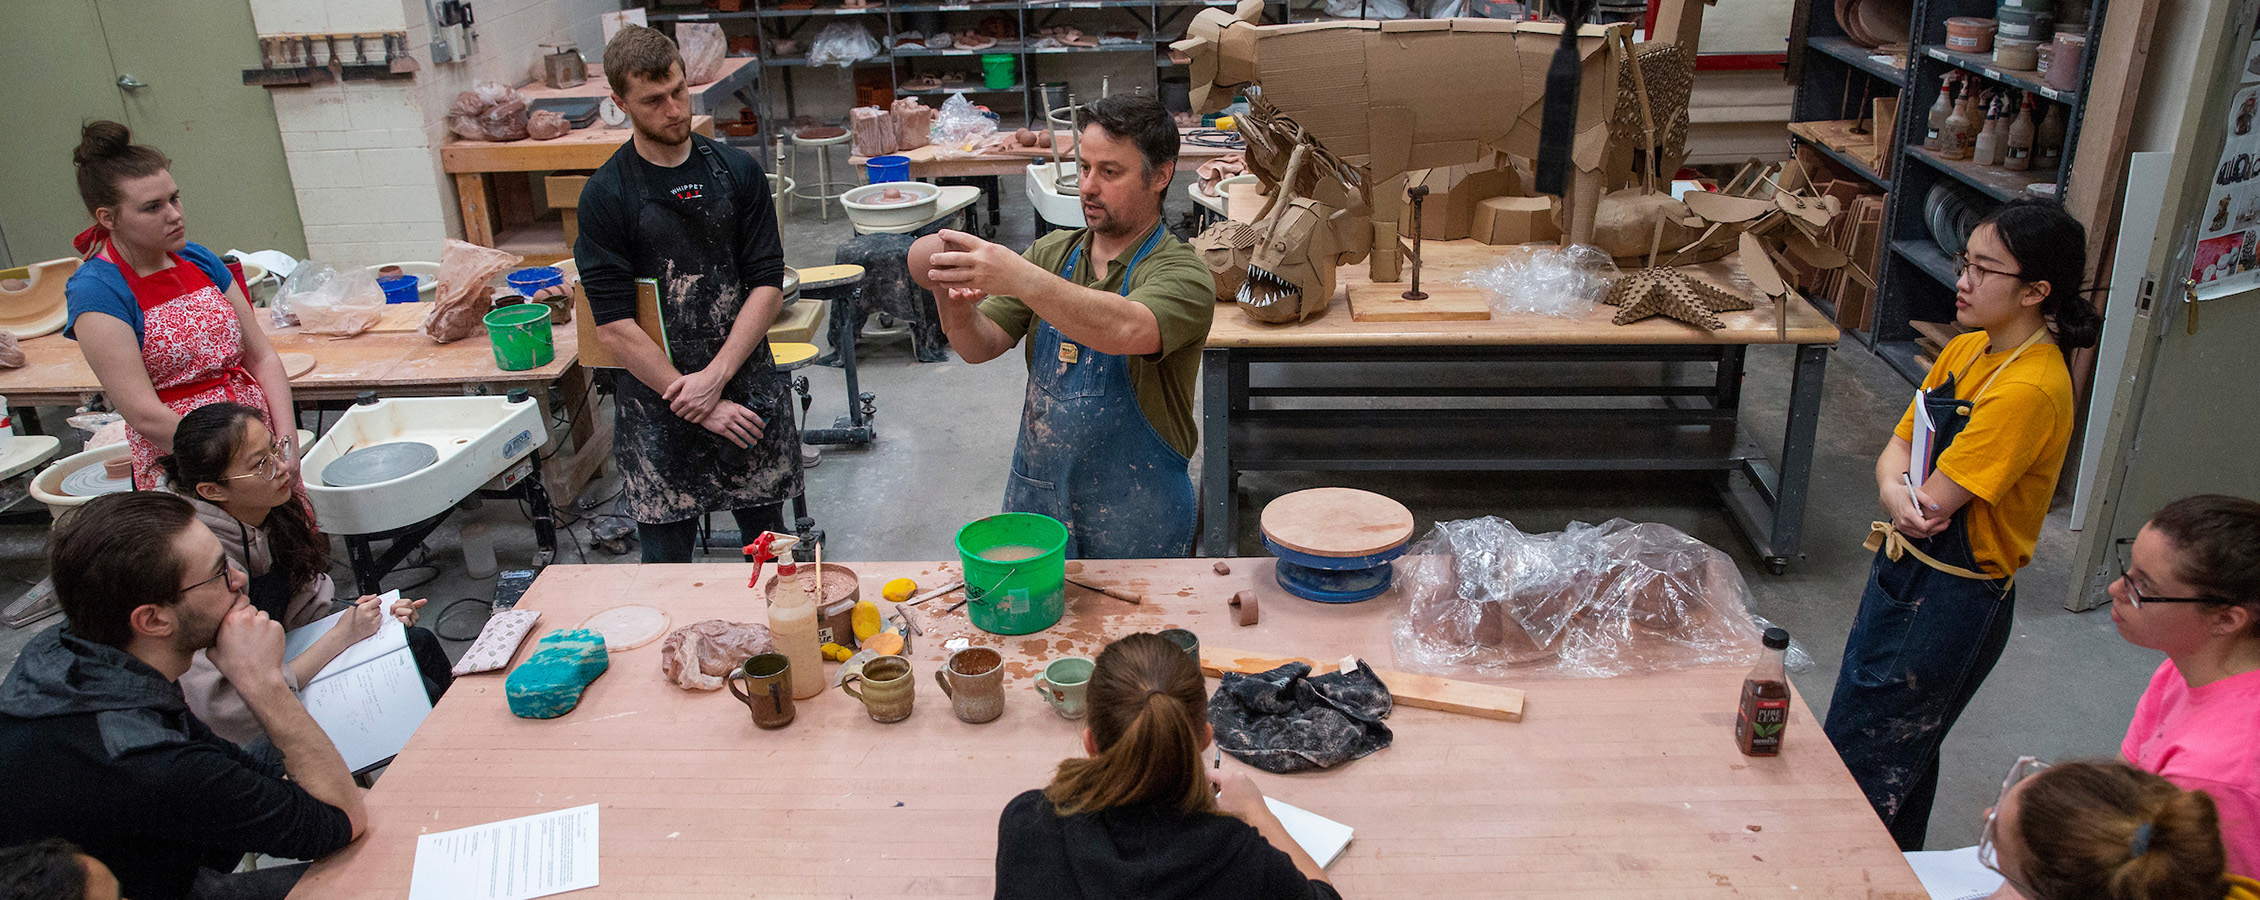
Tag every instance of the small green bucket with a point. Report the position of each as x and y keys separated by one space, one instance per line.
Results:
x=1014 y=596
x=998 y=71
x=520 y=334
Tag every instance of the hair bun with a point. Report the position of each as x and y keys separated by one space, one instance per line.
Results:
x=101 y=139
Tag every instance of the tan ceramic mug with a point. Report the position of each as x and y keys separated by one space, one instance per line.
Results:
x=888 y=688
x=974 y=681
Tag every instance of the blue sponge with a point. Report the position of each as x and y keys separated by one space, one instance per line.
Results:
x=549 y=683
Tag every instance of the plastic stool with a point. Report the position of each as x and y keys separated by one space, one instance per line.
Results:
x=822 y=138
x=791 y=355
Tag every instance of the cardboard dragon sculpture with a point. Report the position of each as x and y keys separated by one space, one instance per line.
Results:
x=1341 y=113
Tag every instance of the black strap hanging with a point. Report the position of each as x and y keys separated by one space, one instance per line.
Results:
x=1558 y=130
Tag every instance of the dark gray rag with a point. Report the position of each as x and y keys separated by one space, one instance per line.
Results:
x=1285 y=720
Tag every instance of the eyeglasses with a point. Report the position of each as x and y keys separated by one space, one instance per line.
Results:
x=1988 y=856
x=2134 y=591
x=227 y=565
x=1963 y=266
x=270 y=464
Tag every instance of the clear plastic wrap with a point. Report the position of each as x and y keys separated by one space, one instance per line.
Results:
x=489 y=112
x=960 y=130
x=342 y=302
x=1547 y=281
x=703 y=48
x=1593 y=601
x=842 y=44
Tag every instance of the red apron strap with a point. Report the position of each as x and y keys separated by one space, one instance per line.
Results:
x=181 y=392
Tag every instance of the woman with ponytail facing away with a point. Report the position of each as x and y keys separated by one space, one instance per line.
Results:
x=2104 y=830
x=1936 y=612
x=1140 y=817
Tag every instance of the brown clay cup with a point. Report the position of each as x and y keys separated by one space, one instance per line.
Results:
x=888 y=688
x=769 y=693
x=974 y=680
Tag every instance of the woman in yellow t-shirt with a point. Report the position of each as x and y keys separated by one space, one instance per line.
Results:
x=1996 y=415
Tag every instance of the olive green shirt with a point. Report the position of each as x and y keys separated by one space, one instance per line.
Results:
x=1173 y=283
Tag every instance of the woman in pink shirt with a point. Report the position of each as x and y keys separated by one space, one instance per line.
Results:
x=2190 y=588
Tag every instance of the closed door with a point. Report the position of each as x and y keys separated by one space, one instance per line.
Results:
x=172 y=71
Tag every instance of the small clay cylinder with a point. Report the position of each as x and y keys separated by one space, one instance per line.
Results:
x=118 y=467
x=1222 y=569
x=1244 y=611
x=390 y=272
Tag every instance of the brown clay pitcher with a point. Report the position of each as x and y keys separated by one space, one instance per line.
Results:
x=769 y=693
x=974 y=680
x=888 y=688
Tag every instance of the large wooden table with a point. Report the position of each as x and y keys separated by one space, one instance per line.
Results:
x=1582 y=423
x=506 y=221
x=1626 y=787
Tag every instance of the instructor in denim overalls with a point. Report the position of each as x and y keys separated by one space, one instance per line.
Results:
x=1114 y=315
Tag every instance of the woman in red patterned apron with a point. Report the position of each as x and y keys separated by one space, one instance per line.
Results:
x=162 y=321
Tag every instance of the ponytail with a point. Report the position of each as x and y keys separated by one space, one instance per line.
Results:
x=2105 y=830
x=1147 y=706
x=2051 y=248
x=107 y=155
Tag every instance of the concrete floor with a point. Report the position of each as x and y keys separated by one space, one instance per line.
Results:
x=2066 y=687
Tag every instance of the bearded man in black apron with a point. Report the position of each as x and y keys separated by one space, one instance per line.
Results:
x=702 y=425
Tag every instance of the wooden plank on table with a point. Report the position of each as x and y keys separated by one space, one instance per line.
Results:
x=1242 y=201
x=1467 y=698
x=582 y=148
x=1445 y=303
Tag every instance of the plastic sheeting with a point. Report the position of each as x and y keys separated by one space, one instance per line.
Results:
x=1548 y=281
x=1593 y=601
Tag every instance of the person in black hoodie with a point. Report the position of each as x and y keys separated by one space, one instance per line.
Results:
x=1136 y=818
x=124 y=769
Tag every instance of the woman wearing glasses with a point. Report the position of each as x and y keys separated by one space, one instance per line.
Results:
x=2190 y=588
x=1995 y=414
x=233 y=471
x=2105 y=831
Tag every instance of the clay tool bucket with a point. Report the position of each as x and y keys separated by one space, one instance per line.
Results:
x=1016 y=596
x=521 y=337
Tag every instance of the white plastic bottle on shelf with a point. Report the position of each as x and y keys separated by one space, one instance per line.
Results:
x=2048 y=136
x=2017 y=146
x=792 y=627
x=1939 y=110
x=1988 y=152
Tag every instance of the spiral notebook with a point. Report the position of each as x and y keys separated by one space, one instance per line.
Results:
x=370 y=699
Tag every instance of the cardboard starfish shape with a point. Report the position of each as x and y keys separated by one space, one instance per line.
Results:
x=1666 y=291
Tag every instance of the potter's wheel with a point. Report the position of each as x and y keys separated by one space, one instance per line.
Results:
x=900 y=197
x=379 y=463
x=94 y=481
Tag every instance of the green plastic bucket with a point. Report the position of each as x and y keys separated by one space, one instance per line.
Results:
x=1014 y=596
x=998 y=72
x=520 y=334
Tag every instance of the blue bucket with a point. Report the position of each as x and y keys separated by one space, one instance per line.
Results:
x=399 y=288
x=527 y=282
x=883 y=169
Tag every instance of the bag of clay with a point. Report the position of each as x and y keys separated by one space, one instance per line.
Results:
x=1487 y=600
x=464 y=297
x=842 y=44
x=11 y=351
x=547 y=124
x=960 y=130
x=699 y=656
x=913 y=120
x=489 y=112
x=873 y=128
x=703 y=48
x=333 y=301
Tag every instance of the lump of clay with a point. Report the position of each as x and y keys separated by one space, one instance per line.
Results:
x=891 y=195
x=550 y=682
x=1044 y=138
x=696 y=657
x=547 y=125
x=11 y=351
x=1024 y=137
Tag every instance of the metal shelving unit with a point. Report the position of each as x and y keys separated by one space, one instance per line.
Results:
x=1915 y=277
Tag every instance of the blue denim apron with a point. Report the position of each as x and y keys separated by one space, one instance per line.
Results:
x=1087 y=456
x=1925 y=638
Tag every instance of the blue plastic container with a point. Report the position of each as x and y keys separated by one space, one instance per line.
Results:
x=399 y=288
x=883 y=169
x=529 y=281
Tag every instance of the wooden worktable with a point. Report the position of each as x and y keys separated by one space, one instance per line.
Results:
x=924 y=165
x=1622 y=787
x=473 y=162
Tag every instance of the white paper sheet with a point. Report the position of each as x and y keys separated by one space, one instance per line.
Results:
x=1321 y=837
x=1954 y=874
x=370 y=699
x=514 y=859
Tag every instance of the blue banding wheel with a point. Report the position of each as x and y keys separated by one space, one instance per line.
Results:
x=1334 y=586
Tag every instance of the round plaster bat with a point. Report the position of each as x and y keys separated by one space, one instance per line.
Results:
x=628 y=627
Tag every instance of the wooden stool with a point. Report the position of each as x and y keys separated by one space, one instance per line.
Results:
x=822 y=139
x=1334 y=544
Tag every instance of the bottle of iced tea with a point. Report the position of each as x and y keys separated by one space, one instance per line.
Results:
x=1765 y=700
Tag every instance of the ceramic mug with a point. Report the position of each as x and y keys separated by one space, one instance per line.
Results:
x=1186 y=641
x=769 y=694
x=887 y=688
x=974 y=681
x=1064 y=683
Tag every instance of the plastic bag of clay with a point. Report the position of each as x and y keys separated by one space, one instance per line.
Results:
x=334 y=301
x=1369 y=9
x=699 y=656
x=547 y=125
x=960 y=130
x=913 y=121
x=872 y=130
x=11 y=351
x=463 y=296
x=1593 y=601
x=842 y=44
x=703 y=48
x=1547 y=281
